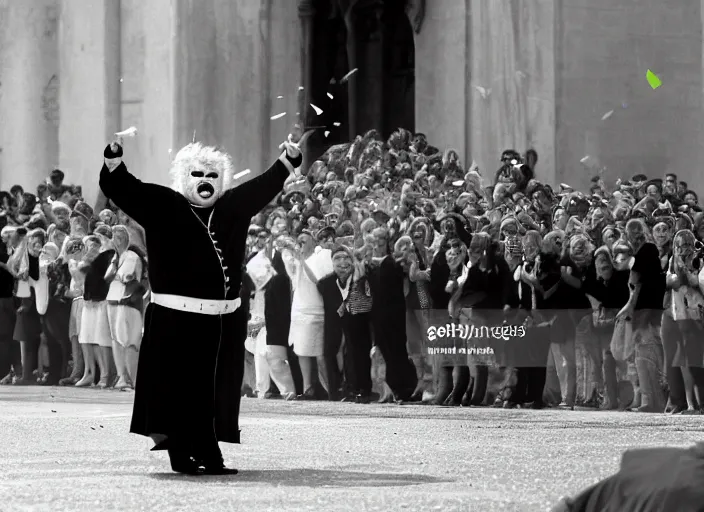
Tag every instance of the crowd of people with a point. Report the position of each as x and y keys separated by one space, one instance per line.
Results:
x=376 y=243
x=72 y=289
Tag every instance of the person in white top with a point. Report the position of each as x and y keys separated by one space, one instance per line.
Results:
x=307 y=316
x=74 y=250
x=687 y=305
x=125 y=307
x=25 y=264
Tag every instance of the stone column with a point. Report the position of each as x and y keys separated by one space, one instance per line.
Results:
x=156 y=133
x=443 y=68
x=306 y=15
x=370 y=80
x=217 y=78
x=513 y=97
x=352 y=61
x=29 y=86
x=89 y=59
x=285 y=61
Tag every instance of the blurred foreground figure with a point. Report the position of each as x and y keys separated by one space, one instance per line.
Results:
x=650 y=480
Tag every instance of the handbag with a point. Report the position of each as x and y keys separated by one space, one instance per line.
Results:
x=134 y=295
x=360 y=298
x=622 y=340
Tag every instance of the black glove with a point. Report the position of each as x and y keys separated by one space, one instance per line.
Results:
x=295 y=162
x=110 y=154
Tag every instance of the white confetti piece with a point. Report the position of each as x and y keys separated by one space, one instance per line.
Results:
x=240 y=174
x=278 y=116
x=348 y=75
x=607 y=115
x=300 y=88
x=484 y=93
x=121 y=80
x=170 y=150
x=129 y=132
x=336 y=124
x=327 y=133
x=318 y=110
x=458 y=183
x=330 y=96
x=584 y=160
x=279 y=97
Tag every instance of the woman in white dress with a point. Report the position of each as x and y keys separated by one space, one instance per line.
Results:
x=307 y=316
x=94 y=335
x=125 y=307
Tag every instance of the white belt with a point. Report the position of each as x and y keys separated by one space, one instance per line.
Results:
x=199 y=306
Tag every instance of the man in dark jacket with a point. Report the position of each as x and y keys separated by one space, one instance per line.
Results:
x=347 y=304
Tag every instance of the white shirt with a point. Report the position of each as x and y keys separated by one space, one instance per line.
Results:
x=128 y=264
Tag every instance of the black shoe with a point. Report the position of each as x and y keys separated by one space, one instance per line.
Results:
x=537 y=406
x=416 y=397
x=361 y=398
x=181 y=463
x=319 y=392
x=215 y=465
x=218 y=469
x=309 y=394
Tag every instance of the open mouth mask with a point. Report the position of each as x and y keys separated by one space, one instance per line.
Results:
x=205 y=190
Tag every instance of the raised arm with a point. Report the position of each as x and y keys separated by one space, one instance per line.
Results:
x=137 y=199
x=251 y=197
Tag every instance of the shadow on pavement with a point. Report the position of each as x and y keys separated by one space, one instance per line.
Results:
x=314 y=478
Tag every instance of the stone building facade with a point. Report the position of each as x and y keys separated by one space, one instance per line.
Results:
x=475 y=75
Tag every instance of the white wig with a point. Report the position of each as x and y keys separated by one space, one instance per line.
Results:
x=196 y=156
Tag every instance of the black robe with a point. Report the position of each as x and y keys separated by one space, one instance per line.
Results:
x=184 y=260
x=389 y=326
x=277 y=304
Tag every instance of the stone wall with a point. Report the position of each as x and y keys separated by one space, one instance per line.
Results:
x=485 y=79
x=89 y=63
x=606 y=48
x=29 y=92
x=493 y=74
x=443 y=69
x=490 y=74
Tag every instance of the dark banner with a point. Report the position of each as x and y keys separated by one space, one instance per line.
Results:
x=516 y=339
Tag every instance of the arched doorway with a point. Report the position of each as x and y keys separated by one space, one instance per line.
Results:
x=381 y=94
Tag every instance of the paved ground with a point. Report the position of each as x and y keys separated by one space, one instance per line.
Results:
x=69 y=450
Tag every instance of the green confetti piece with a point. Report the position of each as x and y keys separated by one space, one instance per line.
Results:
x=653 y=79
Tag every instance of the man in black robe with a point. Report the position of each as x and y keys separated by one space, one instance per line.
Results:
x=196 y=234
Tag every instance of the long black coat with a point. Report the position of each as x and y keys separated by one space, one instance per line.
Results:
x=277 y=304
x=184 y=261
x=389 y=326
